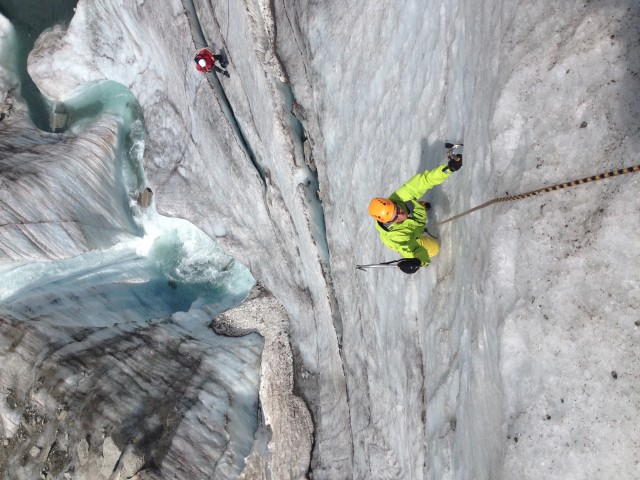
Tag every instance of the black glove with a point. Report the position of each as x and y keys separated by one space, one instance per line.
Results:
x=409 y=265
x=455 y=163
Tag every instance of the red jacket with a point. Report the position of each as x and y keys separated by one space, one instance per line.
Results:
x=206 y=55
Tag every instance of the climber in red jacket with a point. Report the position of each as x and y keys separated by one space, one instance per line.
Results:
x=205 y=62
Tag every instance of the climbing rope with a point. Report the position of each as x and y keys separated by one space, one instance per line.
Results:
x=573 y=183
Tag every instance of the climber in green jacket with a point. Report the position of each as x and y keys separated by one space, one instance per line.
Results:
x=401 y=218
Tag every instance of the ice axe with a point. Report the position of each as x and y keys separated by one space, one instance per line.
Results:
x=453 y=157
x=453 y=146
x=407 y=265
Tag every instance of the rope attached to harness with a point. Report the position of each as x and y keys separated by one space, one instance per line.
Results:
x=559 y=186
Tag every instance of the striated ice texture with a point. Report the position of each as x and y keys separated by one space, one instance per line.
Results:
x=513 y=356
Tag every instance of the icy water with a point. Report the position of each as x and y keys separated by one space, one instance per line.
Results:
x=30 y=18
x=171 y=265
x=159 y=288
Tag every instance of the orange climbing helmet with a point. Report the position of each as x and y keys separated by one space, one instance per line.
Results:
x=382 y=209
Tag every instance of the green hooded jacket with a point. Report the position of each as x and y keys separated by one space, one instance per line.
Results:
x=402 y=237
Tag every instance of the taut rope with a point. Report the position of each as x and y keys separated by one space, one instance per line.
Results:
x=573 y=183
